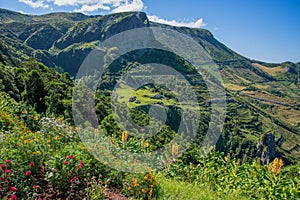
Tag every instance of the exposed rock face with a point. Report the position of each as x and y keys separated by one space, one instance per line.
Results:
x=266 y=148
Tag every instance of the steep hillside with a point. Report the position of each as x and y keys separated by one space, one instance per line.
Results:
x=262 y=97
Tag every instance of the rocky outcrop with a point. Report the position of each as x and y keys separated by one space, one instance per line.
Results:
x=266 y=148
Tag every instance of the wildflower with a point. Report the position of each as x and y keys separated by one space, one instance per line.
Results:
x=146 y=177
x=150 y=193
x=56 y=137
x=143 y=191
x=14 y=189
x=7 y=171
x=81 y=164
x=36 y=152
x=35 y=187
x=28 y=173
x=71 y=157
x=48 y=141
x=66 y=162
x=129 y=188
x=26 y=141
x=134 y=181
x=74 y=180
x=7 y=161
x=175 y=149
x=13 y=197
x=124 y=136
x=145 y=144
x=31 y=164
x=3 y=166
x=227 y=158
x=277 y=166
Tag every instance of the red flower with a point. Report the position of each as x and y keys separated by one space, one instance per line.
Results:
x=35 y=187
x=13 y=197
x=66 y=162
x=14 y=189
x=74 y=179
x=81 y=164
x=71 y=157
x=7 y=171
x=31 y=164
x=7 y=161
x=28 y=173
x=3 y=166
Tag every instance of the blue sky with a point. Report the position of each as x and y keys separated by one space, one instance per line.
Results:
x=267 y=30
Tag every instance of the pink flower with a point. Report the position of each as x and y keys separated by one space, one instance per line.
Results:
x=35 y=187
x=13 y=197
x=7 y=161
x=28 y=173
x=3 y=166
x=40 y=198
x=66 y=162
x=71 y=157
x=14 y=189
x=31 y=164
x=7 y=171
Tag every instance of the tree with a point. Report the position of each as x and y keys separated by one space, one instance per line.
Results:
x=35 y=91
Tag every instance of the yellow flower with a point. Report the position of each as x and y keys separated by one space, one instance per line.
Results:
x=48 y=141
x=129 y=188
x=175 y=149
x=36 y=140
x=36 y=153
x=56 y=137
x=124 y=136
x=132 y=192
x=145 y=145
x=26 y=141
x=36 y=118
x=277 y=166
x=143 y=191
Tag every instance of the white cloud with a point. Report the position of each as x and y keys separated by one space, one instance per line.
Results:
x=94 y=5
x=75 y=2
x=135 y=5
x=91 y=8
x=35 y=4
x=192 y=24
x=113 y=6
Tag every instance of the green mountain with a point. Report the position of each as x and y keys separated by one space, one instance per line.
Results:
x=262 y=97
